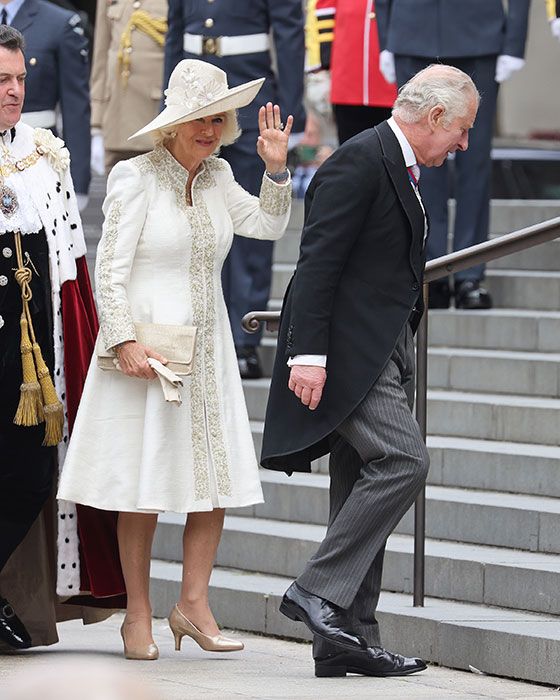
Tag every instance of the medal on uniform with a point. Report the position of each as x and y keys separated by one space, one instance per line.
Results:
x=8 y=201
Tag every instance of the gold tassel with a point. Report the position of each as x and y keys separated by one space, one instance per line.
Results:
x=53 y=408
x=39 y=401
x=30 y=407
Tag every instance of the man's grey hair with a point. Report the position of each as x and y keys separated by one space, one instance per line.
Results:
x=11 y=39
x=436 y=85
x=230 y=134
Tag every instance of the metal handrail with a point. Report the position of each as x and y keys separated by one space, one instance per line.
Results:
x=440 y=267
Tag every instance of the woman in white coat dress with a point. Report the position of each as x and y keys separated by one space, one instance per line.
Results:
x=169 y=221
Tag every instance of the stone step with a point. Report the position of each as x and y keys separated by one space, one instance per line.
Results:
x=522 y=644
x=498 y=371
x=508 y=467
x=512 y=329
x=468 y=573
x=524 y=289
x=511 y=289
x=491 y=518
x=542 y=257
x=483 y=416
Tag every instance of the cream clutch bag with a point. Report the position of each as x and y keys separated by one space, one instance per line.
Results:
x=176 y=343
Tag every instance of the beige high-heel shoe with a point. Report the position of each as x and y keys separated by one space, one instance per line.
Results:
x=144 y=653
x=181 y=626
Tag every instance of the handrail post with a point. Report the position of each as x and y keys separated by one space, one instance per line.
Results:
x=421 y=417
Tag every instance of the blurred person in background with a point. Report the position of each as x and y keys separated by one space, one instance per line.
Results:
x=57 y=83
x=47 y=331
x=66 y=680
x=170 y=218
x=487 y=42
x=553 y=14
x=247 y=39
x=341 y=36
x=126 y=77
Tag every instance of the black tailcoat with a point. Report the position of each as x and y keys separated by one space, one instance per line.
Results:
x=356 y=283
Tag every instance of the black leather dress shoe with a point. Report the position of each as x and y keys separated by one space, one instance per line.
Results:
x=470 y=295
x=248 y=362
x=12 y=629
x=438 y=294
x=373 y=661
x=321 y=616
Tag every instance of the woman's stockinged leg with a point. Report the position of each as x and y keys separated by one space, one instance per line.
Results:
x=200 y=542
x=135 y=533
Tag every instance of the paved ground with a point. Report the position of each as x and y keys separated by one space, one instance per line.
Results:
x=87 y=665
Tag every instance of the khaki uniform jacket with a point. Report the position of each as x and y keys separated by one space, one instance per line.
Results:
x=122 y=107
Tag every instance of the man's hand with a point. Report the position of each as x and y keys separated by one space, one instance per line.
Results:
x=307 y=382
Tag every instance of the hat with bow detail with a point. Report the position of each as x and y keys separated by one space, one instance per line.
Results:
x=199 y=89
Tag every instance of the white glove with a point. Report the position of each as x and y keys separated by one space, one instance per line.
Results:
x=97 y=161
x=82 y=200
x=387 y=66
x=506 y=66
x=555 y=28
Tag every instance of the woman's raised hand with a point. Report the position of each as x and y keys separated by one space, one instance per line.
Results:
x=133 y=360
x=272 y=144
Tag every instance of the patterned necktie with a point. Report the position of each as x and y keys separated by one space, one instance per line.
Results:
x=4 y=16
x=414 y=175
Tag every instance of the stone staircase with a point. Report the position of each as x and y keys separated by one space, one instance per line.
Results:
x=493 y=495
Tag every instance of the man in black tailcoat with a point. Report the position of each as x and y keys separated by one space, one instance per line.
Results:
x=347 y=328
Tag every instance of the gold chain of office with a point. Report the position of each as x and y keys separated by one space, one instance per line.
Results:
x=14 y=166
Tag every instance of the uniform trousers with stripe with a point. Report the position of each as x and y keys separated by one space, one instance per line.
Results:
x=378 y=465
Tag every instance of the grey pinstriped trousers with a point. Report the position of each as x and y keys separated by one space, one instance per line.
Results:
x=378 y=464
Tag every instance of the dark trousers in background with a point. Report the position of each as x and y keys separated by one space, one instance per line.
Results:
x=353 y=119
x=378 y=465
x=247 y=271
x=473 y=168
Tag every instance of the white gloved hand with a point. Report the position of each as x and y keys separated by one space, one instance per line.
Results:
x=506 y=66
x=82 y=200
x=555 y=28
x=387 y=66
x=97 y=161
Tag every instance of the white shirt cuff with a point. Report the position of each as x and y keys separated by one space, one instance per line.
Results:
x=315 y=360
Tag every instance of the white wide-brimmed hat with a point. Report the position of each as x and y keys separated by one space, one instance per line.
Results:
x=198 y=89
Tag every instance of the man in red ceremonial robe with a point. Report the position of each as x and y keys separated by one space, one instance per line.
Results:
x=54 y=564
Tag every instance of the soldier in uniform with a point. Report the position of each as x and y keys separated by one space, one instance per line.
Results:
x=237 y=37
x=126 y=76
x=341 y=36
x=487 y=43
x=57 y=66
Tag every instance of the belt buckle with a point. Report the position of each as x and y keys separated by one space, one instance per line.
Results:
x=211 y=46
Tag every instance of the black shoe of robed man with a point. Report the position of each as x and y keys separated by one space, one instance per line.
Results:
x=12 y=629
x=373 y=661
x=323 y=618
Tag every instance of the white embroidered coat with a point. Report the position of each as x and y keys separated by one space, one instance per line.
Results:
x=160 y=261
